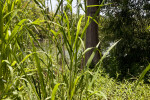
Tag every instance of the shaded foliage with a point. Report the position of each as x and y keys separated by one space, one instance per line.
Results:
x=127 y=20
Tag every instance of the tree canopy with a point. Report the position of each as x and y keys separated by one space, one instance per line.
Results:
x=128 y=20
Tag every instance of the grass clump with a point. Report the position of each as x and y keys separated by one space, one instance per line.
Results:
x=29 y=69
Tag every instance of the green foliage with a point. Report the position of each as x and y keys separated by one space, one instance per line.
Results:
x=30 y=69
x=128 y=22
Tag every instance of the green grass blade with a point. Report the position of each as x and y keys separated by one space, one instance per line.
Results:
x=12 y=6
x=17 y=28
x=142 y=75
x=86 y=26
x=88 y=49
x=40 y=70
x=98 y=93
x=23 y=71
x=10 y=68
x=78 y=30
x=9 y=19
x=54 y=91
x=38 y=3
x=26 y=57
x=68 y=27
x=73 y=90
x=82 y=43
x=106 y=53
x=92 y=56
x=9 y=13
x=57 y=9
x=18 y=2
x=99 y=63
x=55 y=33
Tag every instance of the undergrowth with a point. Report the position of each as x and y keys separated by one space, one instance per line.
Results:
x=30 y=70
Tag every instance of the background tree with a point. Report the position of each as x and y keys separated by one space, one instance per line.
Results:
x=92 y=30
x=128 y=20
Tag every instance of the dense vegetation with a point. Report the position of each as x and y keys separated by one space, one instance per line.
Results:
x=128 y=20
x=42 y=52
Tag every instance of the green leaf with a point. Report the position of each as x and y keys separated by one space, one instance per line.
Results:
x=37 y=22
x=18 y=2
x=88 y=49
x=40 y=70
x=55 y=33
x=17 y=28
x=107 y=52
x=54 y=91
x=38 y=3
x=78 y=30
x=86 y=26
x=98 y=93
x=101 y=5
x=82 y=43
x=99 y=63
x=57 y=9
x=142 y=75
x=14 y=63
x=68 y=26
x=92 y=56
x=11 y=72
x=12 y=6
x=73 y=90
x=26 y=57
x=7 y=34
x=148 y=27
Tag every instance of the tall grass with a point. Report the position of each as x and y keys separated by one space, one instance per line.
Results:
x=29 y=72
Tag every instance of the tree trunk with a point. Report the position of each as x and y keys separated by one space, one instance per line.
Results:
x=92 y=32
